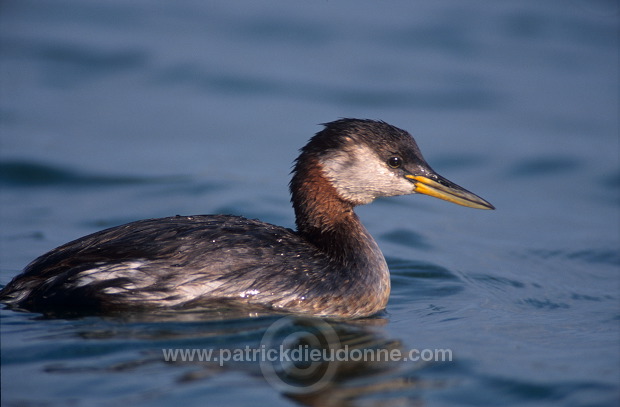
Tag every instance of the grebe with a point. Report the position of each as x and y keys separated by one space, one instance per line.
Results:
x=330 y=266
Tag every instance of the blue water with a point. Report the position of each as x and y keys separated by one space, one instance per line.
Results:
x=113 y=111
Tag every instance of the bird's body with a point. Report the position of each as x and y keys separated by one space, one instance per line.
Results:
x=155 y=265
x=330 y=266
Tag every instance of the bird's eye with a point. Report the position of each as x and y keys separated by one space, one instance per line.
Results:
x=395 y=162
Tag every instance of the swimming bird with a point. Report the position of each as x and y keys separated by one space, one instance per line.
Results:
x=330 y=266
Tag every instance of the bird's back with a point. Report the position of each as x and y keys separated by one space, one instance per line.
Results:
x=173 y=261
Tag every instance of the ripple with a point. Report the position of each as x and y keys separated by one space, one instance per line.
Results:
x=407 y=238
x=32 y=174
x=418 y=269
x=590 y=256
x=106 y=350
x=69 y=64
x=420 y=281
x=611 y=181
x=495 y=281
x=243 y=83
x=585 y=297
x=544 y=303
x=515 y=390
x=544 y=166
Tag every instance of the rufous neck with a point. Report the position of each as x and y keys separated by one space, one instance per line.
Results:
x=323 y=217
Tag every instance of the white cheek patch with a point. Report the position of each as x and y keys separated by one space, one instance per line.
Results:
x=360 y=175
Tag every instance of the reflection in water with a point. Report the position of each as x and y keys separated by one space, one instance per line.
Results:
x=316 y=362
x=363 y=363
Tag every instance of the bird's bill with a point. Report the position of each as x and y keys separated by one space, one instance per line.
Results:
x=447 y=190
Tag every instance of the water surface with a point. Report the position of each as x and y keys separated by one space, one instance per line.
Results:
x=116 y=111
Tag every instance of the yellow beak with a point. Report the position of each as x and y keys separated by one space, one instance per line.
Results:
x=443 y=189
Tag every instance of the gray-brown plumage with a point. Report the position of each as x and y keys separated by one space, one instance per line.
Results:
x=330 y=266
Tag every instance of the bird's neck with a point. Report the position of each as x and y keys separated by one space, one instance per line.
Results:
x=326 y=220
